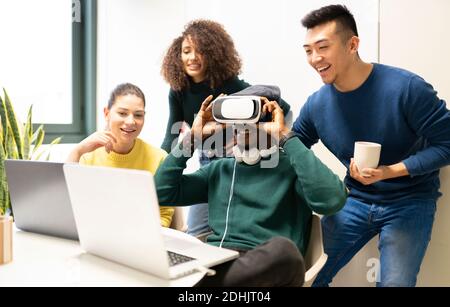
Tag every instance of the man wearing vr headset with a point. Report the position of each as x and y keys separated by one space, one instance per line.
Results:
x=264 y=213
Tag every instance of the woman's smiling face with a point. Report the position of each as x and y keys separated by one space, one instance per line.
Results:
x=126 y=118
x=194 y=63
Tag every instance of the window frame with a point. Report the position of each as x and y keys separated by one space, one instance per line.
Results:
x=84 y=76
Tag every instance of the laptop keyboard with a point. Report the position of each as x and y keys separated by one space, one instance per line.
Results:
x=175 y=258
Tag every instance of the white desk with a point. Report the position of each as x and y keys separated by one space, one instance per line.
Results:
x=48 y=261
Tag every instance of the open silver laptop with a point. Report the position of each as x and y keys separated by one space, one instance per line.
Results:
x=117 y=215
x=40 y=199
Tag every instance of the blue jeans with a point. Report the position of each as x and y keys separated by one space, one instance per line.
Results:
x=404 y=230
x=198 y=219
x=198 y=215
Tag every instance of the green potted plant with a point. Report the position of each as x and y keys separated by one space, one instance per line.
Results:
x=17 y=141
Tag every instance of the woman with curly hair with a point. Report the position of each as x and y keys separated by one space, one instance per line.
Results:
x=201 y=62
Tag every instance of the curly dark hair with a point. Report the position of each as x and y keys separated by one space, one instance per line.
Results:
x=216 y=46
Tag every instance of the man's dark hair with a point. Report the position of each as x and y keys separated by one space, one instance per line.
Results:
x=345 y=22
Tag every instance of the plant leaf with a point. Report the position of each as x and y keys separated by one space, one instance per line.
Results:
x=38 y=138
x=11 y=146
x=1 y=136
x=4 y=202
x=48 y=149
x=28 y=135
x=54 y=142
x=39 y=155
x=4 y=119
x=13 y=125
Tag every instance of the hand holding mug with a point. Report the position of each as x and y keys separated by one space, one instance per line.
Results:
x=364 y=164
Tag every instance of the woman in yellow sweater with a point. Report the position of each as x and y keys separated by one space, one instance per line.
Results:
x=119 y=145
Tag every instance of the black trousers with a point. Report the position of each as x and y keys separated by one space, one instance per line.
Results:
x=275 y=263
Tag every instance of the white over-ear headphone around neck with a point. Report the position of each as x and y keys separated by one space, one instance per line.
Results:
x=253 y=155
x=250 y=157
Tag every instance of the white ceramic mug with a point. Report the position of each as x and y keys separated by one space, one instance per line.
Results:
x=366 y=155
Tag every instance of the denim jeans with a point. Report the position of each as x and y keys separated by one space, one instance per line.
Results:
x=404 y=230
x=198 y=219
x=198 y=215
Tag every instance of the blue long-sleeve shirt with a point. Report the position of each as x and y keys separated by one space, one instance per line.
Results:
x=395 y=108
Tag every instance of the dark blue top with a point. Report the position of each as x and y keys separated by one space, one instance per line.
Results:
x=395 y=108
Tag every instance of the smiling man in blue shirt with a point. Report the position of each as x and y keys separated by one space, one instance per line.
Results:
x=376 y=103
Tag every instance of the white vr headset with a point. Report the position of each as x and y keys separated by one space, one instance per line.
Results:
x=237 y=109
x=241 y=110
